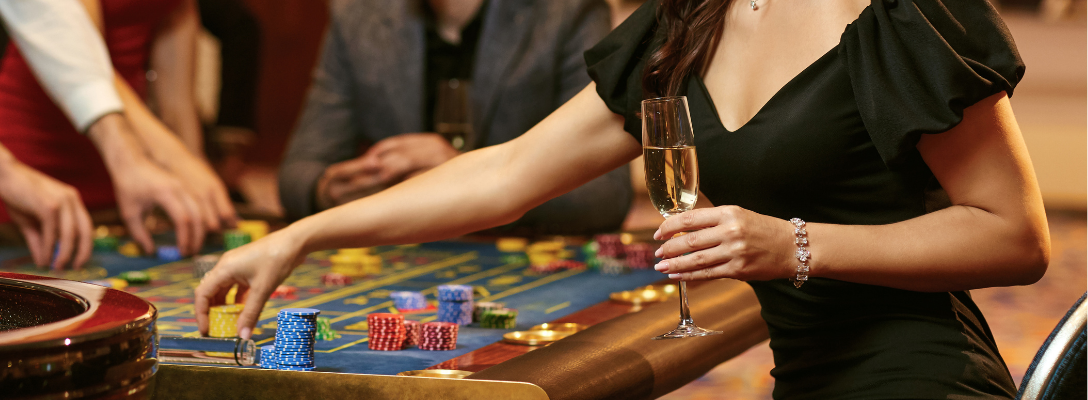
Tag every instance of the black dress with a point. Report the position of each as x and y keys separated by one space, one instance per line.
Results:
x=837 y=145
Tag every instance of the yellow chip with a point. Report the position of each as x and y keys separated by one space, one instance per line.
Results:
x=545 y=246
x=118 y=284
x=130 y=249
x=626 y=238
x=228 y=309
x=360 y=251
x=345 y=258
x=255 y=228
x=511 y=244
x=101 y=231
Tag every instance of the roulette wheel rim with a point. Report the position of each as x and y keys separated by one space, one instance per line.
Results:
x=68 y=339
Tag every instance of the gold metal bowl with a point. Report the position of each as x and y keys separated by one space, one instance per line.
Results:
x=567 y=327
x=437 y=373
x=645 y=294
x=535 y=338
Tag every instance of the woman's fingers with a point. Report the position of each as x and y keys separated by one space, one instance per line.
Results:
x=67 y=225
x=689 y=221
x=689 y=242
x=85 y=232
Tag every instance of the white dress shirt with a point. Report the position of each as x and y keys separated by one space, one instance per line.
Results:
x=67 y=54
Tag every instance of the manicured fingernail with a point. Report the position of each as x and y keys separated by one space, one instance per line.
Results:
x=657 y=234
x=659 y=252
x=674 y=276
x=662 y=266
x=245 y=332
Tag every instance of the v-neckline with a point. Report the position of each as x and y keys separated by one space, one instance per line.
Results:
x=775 y=96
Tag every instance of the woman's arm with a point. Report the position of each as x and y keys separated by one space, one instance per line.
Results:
x=173 y=60
x=480 y=189
x=995 y=234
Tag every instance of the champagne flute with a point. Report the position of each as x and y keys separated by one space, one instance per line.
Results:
x=672 y=178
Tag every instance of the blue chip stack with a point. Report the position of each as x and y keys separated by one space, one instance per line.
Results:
x=455 y=304
x=408 y=300
x=295 y=329
x=266 y=358
x=169 y=253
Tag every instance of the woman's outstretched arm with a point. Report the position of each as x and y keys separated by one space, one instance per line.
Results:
x=995 y=234
x=480 y=189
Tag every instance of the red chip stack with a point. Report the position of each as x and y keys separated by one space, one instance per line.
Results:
x=609 y=245
x=386 y=332
x=639 y=255
x=438 y=336
x=412 y=330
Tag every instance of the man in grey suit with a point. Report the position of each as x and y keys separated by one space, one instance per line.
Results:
x=375 y=85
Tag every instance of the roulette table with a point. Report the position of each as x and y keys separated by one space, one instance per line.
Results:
x=613 y=357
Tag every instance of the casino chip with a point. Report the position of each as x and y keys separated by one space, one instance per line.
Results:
x=267 y=357
x=223 y=320
x=612 y=266
x=438 y=336
x=335 y=279
x=482 y=306
x=295 y=335
x=386 y=331
x=412 y=332
x=609 y=245
x=106 y=243
x=504 y=318
x=203 y=264
x=511 y=244
x=130 y=249
x=284 y=291
x=135 y=277
x=169 y=253
x=455 y=304
x=408 y=301
x=324 y=330
x=234 y=238
x=639 y=255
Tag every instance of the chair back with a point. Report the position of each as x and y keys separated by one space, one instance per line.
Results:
x=1058 y=370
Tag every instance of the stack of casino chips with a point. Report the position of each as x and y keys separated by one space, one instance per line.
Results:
x=168 y=253
x=267 y=358
x=609 y=245
x=612 y=266
x=203 y=264
x=479 y=308
x=295 y=330
x=438 y=336
x=324 y=330
x=223 y=320
x=233 y=239
x=639 y=255
x=412 y=331
x=455 y=304
x=385 y=331
x=406 y=301
x=505 y=318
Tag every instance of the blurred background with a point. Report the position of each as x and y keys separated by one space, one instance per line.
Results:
x=1050 y=105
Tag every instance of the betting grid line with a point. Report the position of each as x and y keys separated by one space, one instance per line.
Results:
x=356 y=289
x=557 y=307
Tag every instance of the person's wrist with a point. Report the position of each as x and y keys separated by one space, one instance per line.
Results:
x=114 y=140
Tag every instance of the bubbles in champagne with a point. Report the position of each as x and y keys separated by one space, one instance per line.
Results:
x=672 y=178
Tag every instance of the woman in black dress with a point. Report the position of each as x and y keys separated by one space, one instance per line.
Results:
x=900 y=224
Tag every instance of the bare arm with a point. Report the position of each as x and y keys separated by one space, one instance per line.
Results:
x=995 y=234
x=173 y=60
x=479 y=189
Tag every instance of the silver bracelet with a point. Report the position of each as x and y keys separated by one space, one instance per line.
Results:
x=802 y=254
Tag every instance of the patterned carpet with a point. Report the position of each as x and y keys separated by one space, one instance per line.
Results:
x=1020 y=317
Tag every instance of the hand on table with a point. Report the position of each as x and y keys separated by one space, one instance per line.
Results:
x=257 y=268
x=206 y=188
x=385 y=164
x=47 y=211
x=141 y=185
x=726 y=242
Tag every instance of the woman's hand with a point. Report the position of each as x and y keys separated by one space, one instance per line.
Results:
x=47 y=211
x=726 y=242
x=257 y=268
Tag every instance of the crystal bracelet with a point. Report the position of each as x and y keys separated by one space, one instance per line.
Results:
x=802 y=254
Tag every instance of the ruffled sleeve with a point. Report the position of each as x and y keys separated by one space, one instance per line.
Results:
x=915 y=65
x=616 y=65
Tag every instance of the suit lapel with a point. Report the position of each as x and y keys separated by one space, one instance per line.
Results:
x=505 y=30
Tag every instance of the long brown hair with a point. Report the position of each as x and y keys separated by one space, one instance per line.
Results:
x=692 y=30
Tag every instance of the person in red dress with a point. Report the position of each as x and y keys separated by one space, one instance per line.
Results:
x=108 y=168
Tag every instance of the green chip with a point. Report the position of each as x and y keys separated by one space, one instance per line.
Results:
x=105 y=243
x=234 y=238
x=499 y=319
x=324 y=329
x=135 y=277
x=590 y=249
x=515 y=258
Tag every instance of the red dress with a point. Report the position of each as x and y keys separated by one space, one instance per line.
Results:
x=36 y=130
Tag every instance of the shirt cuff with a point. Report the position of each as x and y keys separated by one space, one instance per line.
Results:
x=90 y=102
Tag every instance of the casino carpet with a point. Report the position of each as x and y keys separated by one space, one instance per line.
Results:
x=1020 y=317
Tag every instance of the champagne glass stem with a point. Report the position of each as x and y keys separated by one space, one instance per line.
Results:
x=685 y=314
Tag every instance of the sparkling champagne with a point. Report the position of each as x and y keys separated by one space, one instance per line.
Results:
x=672 y=178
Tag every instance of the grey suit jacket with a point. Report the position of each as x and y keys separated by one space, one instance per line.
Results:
x=367 y=86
